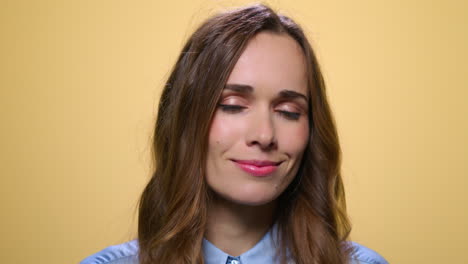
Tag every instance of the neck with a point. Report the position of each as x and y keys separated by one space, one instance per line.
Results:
x=236 y=228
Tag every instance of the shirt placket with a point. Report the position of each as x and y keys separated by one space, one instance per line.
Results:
x=233 y=260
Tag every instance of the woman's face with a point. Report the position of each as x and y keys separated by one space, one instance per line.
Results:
x=260 y=128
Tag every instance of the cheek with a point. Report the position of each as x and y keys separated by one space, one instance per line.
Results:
x=225 y=132
x=222 y=139
x=217 y=130
x=294 y=139
x=220 y=134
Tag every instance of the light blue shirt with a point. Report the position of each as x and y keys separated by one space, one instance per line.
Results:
x=263 y=252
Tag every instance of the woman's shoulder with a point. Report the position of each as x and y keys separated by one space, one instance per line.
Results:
x=364 y=255
x=126 y=253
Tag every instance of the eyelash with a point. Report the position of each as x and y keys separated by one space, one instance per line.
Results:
x=231 y=108
x=237 y=108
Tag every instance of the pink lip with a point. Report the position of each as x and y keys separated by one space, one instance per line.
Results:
x=257 y=168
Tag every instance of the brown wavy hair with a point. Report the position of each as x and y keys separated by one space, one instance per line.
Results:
x=311 y=215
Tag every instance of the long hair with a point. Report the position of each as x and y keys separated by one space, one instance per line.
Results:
x=311 y=217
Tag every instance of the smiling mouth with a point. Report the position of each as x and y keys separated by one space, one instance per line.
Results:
x=258 y=168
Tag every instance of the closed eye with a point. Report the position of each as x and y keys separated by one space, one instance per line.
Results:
x=238 y=108
x=289 y=115
x=231 y=108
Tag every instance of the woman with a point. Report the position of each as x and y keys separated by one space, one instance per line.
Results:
x=246 y=153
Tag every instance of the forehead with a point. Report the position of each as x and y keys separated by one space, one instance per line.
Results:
x=271 y=60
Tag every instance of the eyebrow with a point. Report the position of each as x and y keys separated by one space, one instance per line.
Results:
x=247 y=89
x=288 y=94
x=240 y=88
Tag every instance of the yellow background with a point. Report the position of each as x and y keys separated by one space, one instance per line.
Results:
x=79 y=87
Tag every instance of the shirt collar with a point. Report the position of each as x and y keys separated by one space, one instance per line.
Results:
x=263 y=252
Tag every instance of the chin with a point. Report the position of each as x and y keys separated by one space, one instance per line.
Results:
x=252 y=197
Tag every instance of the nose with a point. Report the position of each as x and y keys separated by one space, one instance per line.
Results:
x=261 y=132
